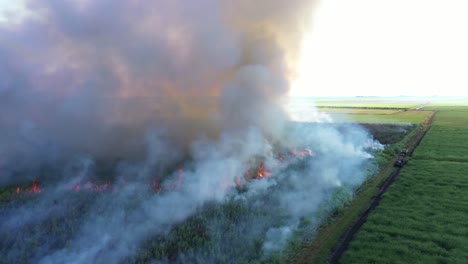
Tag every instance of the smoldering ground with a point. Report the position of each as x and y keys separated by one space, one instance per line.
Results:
x=137 y=91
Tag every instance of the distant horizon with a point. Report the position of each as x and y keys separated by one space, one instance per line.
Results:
x=381 y=96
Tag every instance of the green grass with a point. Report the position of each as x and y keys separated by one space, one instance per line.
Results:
x=444 y=143
x=368 y=104
x=450 y=102
x=379 y=116
x=453 y=118
x=448 y=138
x=422 y=218
x=447 y=107
x=354 y=110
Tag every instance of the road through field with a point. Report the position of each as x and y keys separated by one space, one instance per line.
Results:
x=422 y=217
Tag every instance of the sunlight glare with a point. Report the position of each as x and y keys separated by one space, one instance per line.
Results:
x=385 y=48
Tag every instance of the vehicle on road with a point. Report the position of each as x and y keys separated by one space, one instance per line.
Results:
x=403 y=153
x=399 y=162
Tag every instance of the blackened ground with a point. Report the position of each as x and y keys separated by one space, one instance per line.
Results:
x=389 y=133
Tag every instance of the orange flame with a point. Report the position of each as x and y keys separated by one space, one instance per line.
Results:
x=156 y=186
x=35 y=188
x=260 y=172
x=238 y=182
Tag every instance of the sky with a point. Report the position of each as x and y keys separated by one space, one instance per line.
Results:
x=12 y=10
x=373 y=48
x=386 y=48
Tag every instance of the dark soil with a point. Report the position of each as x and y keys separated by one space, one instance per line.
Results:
x=388 y=133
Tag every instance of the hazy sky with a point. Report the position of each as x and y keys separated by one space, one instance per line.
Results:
x=386 y=47
x=375 y=47
x=11 y=10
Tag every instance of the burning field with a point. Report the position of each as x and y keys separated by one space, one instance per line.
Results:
x=133 y=131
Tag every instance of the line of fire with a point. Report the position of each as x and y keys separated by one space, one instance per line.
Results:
x=257 y=171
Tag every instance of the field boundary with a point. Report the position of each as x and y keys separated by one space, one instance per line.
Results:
x=364 y=107
x=356 y=225
x=348 y=236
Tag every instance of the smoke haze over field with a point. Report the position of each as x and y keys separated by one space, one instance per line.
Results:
x=76 y=72
x=145 y=87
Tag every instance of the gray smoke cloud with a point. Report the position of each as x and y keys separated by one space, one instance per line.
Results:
x=92 y=77
x=135 y=89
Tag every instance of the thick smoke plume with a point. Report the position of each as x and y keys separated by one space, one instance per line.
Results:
x=183 y=96
x=94 y=76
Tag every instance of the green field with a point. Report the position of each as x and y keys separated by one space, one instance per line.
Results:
x=378 y=116
x=354 y=110
x=422 y=218
x=371 y=102
x=358 y=104
x=373 y=111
